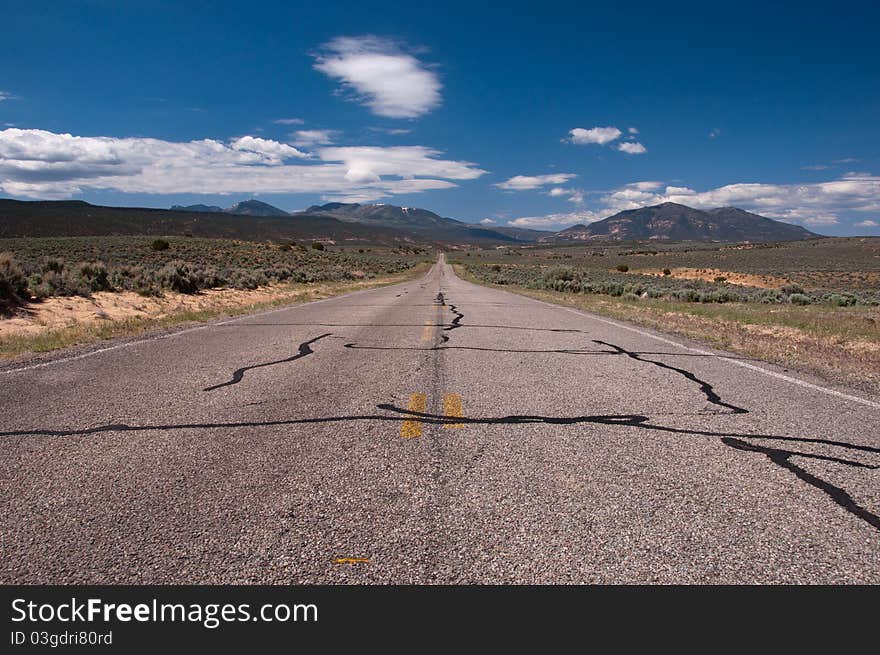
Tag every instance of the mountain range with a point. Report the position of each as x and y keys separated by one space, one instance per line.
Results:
x=379 y=224
x=673 y=222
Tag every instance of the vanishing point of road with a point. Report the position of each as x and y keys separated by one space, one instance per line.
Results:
x=432 y=432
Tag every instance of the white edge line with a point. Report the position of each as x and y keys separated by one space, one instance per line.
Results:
x=751 y=367
x=178 y=333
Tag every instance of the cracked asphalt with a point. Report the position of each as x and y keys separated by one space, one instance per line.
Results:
x=432 y=432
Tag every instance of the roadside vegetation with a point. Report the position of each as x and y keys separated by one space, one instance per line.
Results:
x=813 y=305
x=60 y=292
x=35 y=269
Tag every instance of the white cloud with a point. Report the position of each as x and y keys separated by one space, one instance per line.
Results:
x=811 y=204
x=555 y=221
x=632 y=148
x=5 y=95
x=41 y=164
x=573 y=195
x=633 y=130
x=289 y=121
x=600 y=135
x=715 y=132
x=527 y=182
x=814 y=167
x=382 y=76
x=808 y=204
x=310 y=138
x=394 y=131
x=487 y=221
x=274 y=151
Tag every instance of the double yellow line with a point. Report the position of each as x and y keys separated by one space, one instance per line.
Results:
x=418 y=403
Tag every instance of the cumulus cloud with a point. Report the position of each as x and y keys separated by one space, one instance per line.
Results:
x=632 y=148
x=600 y=135
x=633 y=130
x=41 y=164
x=488 y=221
x=311 y=138
x=812 y=205
x=5 y=95
x=289 y=121
x=527 y=182
x=555 y=221
x=381 y=75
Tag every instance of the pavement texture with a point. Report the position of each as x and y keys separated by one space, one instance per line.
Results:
x=432 y=432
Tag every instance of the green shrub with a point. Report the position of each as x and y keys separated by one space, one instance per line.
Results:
x=91 y=277
x=13 y=283
x=317 y=245
x=160 y=244
x=666 y=271
x=623 y=268
x=799 y=299
x=792 y=289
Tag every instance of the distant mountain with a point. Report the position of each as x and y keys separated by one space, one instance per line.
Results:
x=673 y=222
x=255 y=208
x=212 y=209
x=423 y=223
x=387 y=215
x=76 y=218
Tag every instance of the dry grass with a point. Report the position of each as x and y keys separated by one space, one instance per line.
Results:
x=840 y=344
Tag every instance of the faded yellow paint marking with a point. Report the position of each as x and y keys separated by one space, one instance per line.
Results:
x=351 y=560
x=412 y=427
x=428 y=332
x=452 y=409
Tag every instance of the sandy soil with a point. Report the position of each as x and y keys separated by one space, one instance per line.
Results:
x=57 y=313
x=709 y=275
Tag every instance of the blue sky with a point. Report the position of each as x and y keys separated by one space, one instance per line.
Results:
x=531 y=114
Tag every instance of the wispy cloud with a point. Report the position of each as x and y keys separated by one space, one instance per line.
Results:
x=5 y=95
x=488 y=221
x=632 y=148
x=311 y=138
x=41 y=164
x=572 y=195
x=381 y=75
x=394 y=131
x=288 y=121
x=527 y=182
x=715 y=132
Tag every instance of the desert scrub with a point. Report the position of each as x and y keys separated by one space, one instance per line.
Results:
x=587 y=280
x=80 y=266
x=13 y=283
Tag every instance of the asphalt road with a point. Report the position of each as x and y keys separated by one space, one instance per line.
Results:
x=432 y=432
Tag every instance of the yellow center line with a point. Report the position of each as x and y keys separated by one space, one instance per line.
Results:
x=351 y=560
x=452 y=409
x=428 y=332
x=412 y=427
